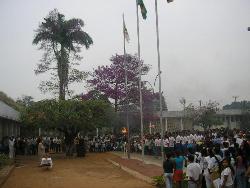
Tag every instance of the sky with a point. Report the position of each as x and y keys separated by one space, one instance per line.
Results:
x=204 y=45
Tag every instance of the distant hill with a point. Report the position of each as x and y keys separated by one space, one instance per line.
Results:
x=237 y=105
x=9 y=101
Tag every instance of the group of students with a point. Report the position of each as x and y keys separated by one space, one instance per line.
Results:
x=220 y=161
x=28 y=146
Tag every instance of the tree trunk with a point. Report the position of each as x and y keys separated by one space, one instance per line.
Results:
x=116 y=98
x=60 y=76
x=69 y=149
x=116 y=105
x=62 y=73
x=70 y=135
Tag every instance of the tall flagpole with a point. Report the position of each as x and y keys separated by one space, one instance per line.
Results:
x=126 y=84
x=139 y=57
x=159 y=73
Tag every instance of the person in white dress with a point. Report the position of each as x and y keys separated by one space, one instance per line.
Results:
x=11 y=147
x=227 y=175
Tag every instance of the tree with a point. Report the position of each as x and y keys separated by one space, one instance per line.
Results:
x=151 y=106
x=9 y=101
x=25 y=100
x=61 y=40
x=183 y=102
x=94 y=95
x=110 y=80
x=204 y=116
x=242 y=105
x=245 y=120
x=69 y=117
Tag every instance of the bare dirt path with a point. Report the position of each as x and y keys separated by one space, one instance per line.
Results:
x=93 y=171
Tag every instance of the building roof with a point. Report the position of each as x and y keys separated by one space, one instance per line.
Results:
x=178 y=114
x=8 y=112
x=172 y=114
x=230 y=112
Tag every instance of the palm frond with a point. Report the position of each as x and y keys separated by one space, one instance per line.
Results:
x=82 y=38
x=74 y=24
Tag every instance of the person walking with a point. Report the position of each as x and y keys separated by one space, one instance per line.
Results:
x=227 y=174
x=168 y=166
x=11 y=147
x=206 y=179
x=194 y=173
x=178 y=173
x=241 y=167
x=40 y=149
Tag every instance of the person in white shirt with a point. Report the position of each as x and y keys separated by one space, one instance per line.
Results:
x=213 y=164
x=46 y=161
x=166 y=145
x=185 y=139
x=171 y=143
x=178 y=139
x=11 y=147
x=239 y=139
x=227 y=175
x=194 y=173
x=157 y=142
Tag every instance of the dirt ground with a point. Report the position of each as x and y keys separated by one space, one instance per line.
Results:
x=93 y=171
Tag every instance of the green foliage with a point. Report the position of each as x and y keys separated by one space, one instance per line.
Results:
x=61 y=40
x=159 y=181
x=4 y=160
x=242 y=105
x=25 y=100
x=9 y=101
x=245 y=120
x=70 y=116
x=205 y=116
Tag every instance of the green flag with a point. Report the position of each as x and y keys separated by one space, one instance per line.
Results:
x=143 y=9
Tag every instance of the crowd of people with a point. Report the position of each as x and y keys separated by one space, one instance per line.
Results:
x=29 y=146
x=216 y=158
x=213 y=158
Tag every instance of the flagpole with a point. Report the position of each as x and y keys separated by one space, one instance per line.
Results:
x=126 y=84
x=139 y=57
x=159 y=73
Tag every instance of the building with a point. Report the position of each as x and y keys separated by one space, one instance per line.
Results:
x=178 y=120
x=231 y=118
x=9 y=121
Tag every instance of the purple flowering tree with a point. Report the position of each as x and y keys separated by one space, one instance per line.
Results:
x=110 y=80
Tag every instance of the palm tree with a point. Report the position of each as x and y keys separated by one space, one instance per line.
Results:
x=61 y=39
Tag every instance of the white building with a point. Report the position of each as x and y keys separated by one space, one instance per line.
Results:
x=178 y=120
x=9 y=121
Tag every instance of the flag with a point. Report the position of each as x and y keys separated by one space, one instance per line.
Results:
x=169 y=1
x=143 y=9
x=125 y=32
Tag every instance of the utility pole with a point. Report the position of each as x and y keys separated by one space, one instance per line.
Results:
x=235 y=98
x=200 y=102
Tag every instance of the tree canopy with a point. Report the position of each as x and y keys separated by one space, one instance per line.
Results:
x=68 y=117
x=110 y=80
x=9 y=101
x=204 y=116
x=61 y=40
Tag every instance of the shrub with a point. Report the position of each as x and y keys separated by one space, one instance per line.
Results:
x=4 y=160
x=159 y=181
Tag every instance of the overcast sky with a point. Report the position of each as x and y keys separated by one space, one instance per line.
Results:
x=204 y=45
